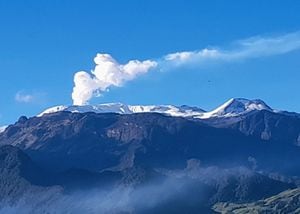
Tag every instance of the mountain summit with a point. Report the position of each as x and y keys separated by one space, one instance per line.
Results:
x=233 y=107
x=238 y=106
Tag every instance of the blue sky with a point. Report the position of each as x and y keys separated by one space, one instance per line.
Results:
x=44 y=43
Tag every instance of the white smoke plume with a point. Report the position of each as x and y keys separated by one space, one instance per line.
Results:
x=108 y=72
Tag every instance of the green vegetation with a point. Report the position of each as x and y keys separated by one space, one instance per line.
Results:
x=285 y=202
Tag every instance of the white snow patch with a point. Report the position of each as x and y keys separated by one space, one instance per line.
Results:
x=120 y=108
x=2 y=128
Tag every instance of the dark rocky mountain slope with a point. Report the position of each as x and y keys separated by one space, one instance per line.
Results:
x=189 y=163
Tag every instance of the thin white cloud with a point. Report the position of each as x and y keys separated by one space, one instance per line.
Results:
x=108 y=72
x=30 y=98
x=22 y=97
x=254 y=47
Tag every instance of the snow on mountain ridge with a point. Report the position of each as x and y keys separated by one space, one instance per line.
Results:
x=2 y=128
x=237 y=106
x=233 y=107
x=120 y=108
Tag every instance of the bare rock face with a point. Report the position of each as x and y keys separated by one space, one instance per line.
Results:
x=267 y=125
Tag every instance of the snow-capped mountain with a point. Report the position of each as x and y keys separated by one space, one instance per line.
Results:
x=231 y=108
x=242 y=143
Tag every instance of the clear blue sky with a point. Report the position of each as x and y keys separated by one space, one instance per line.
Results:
x=43 y=43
